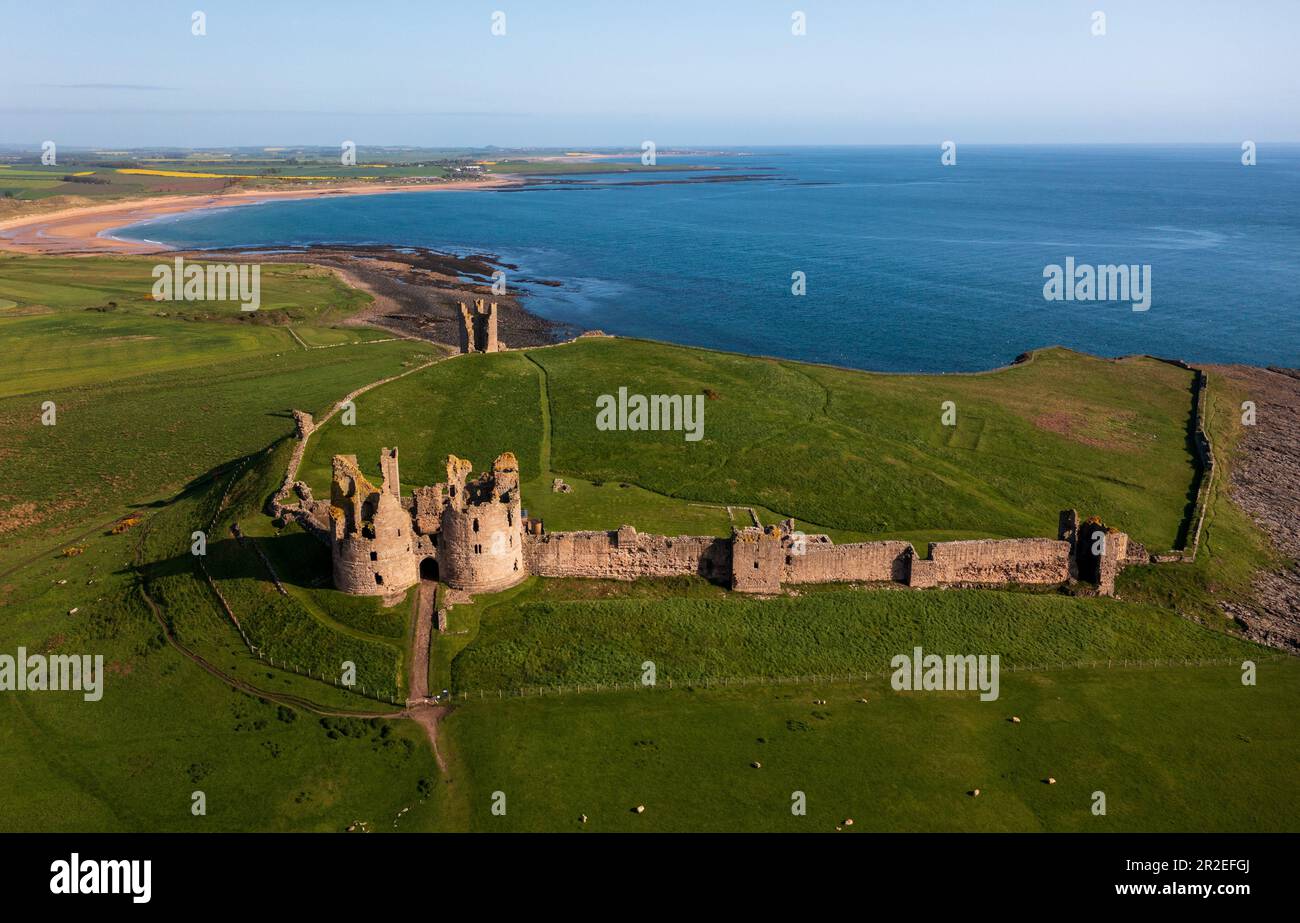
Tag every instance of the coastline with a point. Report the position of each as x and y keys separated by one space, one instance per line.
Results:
x=416 y=290
x=84 y=229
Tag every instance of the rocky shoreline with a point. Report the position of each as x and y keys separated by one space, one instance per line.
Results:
x=1266 y=485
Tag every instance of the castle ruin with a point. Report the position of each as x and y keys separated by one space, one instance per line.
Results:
x=471 y=534
x=478 y=328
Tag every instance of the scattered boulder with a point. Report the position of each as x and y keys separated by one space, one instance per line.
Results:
x=975 y=793
x=756 y=764
x=1014 y=719
x=639 y=809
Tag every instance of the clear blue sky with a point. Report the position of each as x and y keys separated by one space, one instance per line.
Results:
x=705 y=72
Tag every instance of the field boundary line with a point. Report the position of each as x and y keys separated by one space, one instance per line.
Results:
x=805 y=679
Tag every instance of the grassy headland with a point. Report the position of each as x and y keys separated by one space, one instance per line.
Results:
x=181 y=417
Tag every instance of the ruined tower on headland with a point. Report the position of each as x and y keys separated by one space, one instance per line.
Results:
x=371 y=538
x=480 y=542
x=470 y=534
x=478 y=328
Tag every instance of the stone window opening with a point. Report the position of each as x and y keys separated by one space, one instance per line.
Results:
x=755 y=565
x=379 y=579
x=475 y=525
x=374 y=555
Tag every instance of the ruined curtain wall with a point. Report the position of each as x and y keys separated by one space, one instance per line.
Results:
x=1012 y=560
x=602 y=555
x=865 y=562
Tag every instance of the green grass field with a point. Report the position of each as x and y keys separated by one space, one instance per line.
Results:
x=869 y=454
x=534 y=636
x=165 y=728
x=854 y=454
x=108 y=180
x=182 y=417
x=146 y=403
x=104 y=181
x=1171 y=748
x=151 y=411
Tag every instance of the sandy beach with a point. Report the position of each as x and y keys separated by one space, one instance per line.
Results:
x=84 y=229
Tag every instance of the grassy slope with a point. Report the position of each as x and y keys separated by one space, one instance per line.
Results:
x=533 y=636
x=314 y=629
x=868 y=453
x=1183 y=748
x=165 y=728
x=475 y=406
x=1232 y=548
x=147 y=403
x=137 y=421
x=859 y=455
x=1172 y=749
x=1110 y=725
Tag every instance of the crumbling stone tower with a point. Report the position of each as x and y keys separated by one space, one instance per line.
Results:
x=756 y=560
x=1097 y=553
x=480 y=543
x=478 y=328
x=371 y=539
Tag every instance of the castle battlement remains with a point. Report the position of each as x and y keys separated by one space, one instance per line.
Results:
x=478 y=328
x=470 y=534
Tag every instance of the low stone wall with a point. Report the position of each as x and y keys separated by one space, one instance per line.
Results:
x=993 y=561
x=626 y=555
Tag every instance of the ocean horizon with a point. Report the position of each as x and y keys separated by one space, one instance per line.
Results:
x=907 y=265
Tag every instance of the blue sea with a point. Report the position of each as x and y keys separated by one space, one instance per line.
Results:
x=910 y=265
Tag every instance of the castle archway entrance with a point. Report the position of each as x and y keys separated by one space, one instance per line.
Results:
x=1086 y=551
x=429 y=569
